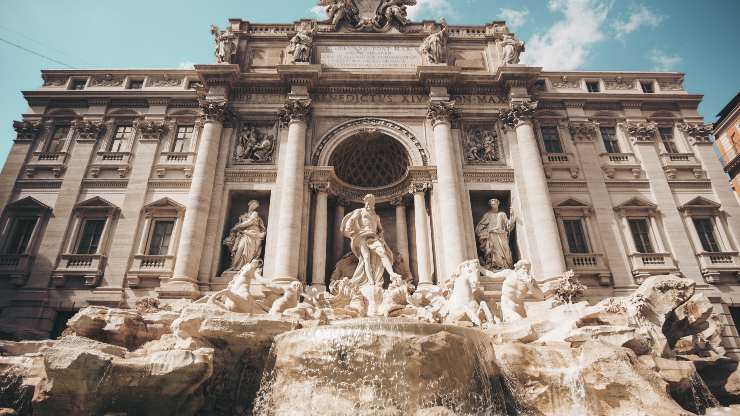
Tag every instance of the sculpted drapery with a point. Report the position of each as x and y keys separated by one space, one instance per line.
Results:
x=246 y=237
x=362 y=226
x=493 y=234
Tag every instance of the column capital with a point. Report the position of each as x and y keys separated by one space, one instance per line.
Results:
x=320 y=187
x=295 y=110
x=151 y=129
x=519 y=112
x=419 y=187
x=641 y=131
x=443 y=112
x=89 y=130
x=398 y=202
x=699 y=133
x=27 y=130
x=214 y=109
x=583 y=131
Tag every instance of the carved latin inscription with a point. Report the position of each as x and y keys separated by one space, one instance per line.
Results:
x=369 y=57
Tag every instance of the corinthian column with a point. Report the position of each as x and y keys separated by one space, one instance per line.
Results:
x=538 y=202
x=402 y=239
x=449 y=187
x=291 y=168
x=192 y=237
x=421 y=232
x=319 y=238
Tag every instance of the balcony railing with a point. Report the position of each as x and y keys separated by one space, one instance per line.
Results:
x=148 y=266
x=16 y=266
x=645 y=264
x=89 y=266
x=587 y=262
x=714 y=264
x=680 y=159
x=619 y=158
x=558 y=158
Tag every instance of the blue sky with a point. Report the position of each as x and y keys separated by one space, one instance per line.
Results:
x=696 y=37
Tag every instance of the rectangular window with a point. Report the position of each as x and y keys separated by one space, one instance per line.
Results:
x=135 y=84
x=666 y=137
x=19 y=236
x=609 y=135
x=121 y=138
x=647 y=87
x=576 y=236
x=182 y=139
x=92 y=231
x=78 y=84
x=551 y=140
x=194 y=84
x=593 y=86
x=640 y=230
x=58 y=139
x=705 y=229
x=160 y=237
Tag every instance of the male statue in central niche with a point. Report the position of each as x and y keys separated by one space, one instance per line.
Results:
x=362 y=226
x=493 y=234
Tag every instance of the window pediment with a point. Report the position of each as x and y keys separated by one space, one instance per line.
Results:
x=97 y=204
x=636 y=206
x=573 y=207
x=700 y=206
x=28 y=203
x=163 y=204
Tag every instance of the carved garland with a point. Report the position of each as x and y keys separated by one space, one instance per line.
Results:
x=89 y=130
x=150 y=130
x=27 y=130
x=642 y=132
x=370 y=123
x=584 y=131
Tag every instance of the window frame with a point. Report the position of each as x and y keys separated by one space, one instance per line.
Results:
x=649 y=242
x=589 y=82
x=703 y=208
x=174 y=141
x=151 y=235
x=75 y=82
x=649 y=83
x=91 y=209
x=669 y=146
x=558 y=138
x=584 y=235
x=125 y=145
x=81 y=234
x=135 y=81
x=615 y=140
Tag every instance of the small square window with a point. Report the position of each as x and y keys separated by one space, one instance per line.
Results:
x=194 y=84
x=136 y=84
x=647 y=87
x=540 y=85
x=78 y=84
x=593 y=86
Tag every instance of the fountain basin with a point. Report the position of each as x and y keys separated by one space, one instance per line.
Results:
x=381 y=366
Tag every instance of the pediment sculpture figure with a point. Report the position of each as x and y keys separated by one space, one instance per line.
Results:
x=362 y=226
x=512 y=47
x=225 y=45
x=300 y=46
x=434 y=48
x=493 y=235
x=246 y=237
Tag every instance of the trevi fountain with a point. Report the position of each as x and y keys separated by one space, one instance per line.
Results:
x=482 y=318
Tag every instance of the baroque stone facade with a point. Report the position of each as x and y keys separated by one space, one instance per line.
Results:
x=124 y=184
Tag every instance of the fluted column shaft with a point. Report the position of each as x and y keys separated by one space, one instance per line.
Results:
x=402 y=239
x=339 y=212
x=319 y=240
x=450 y=189
x=192 y=237
x=291 y=201
x=421 y=227
x=541 y=214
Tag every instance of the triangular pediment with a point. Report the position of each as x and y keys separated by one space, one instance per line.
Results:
x=636 y=202
x=164 y=203
x=700 y=202
x=573 y=203
x=96 y=202
x=28 y=202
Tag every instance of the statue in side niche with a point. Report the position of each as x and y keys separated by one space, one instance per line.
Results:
x=493 y=235
x=434 y=47
x=246 y=237
x=512 y=47
x=362 y=226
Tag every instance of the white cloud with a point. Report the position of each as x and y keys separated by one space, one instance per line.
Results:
x=431 y=9
x=566 y=44
x=186 y=65
x=662 y=61
x=639 y=16
x=514 y=18
x=319 y=12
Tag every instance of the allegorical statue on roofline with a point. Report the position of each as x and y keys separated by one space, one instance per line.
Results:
x=225 y=45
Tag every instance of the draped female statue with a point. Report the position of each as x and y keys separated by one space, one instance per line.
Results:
x=246 y=237
x=493 y=235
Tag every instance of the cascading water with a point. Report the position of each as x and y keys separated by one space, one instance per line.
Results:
x=374 y=366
